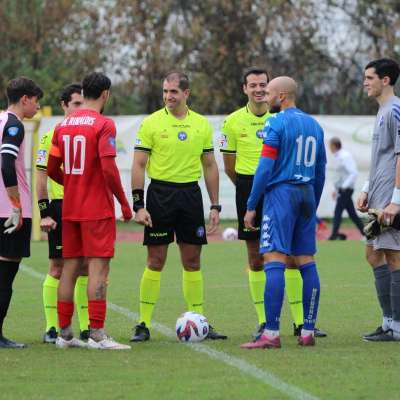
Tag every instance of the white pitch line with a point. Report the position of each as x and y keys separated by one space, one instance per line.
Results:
x=261 y=375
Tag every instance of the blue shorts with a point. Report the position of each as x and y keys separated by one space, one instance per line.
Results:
x=288 y=223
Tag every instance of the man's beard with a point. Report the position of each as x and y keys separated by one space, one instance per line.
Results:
x=275 y=108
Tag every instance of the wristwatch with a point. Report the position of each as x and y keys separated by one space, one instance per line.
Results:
x=217 y=207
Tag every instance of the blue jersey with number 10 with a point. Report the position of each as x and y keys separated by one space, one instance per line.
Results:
x=300 y=143
x=293 y=152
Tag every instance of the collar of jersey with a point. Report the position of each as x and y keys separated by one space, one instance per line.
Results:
x=10 y=112
x=250 y=112
x=173 y=116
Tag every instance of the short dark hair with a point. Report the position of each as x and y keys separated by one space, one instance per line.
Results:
x=68 y=91
x=385 y=67
x=335 y=141
x=256 y=70
x=94 y=84
x=20 y=87
x=179 y=76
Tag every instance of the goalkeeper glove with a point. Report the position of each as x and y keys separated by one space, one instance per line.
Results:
x=374 y=228
x=14 y=221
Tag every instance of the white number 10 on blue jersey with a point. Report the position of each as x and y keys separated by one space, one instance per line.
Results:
x=306 y=154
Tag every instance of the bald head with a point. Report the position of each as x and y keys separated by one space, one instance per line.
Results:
x=281 y=93
x=284 y=84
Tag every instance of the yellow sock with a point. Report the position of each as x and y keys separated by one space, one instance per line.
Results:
x=294 y=293
x=192 y=283
x=257 y=288
x=50 y=286
x=149 y=293
x=81 y=302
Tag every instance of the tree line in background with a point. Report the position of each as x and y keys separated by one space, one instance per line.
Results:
x=323 y=44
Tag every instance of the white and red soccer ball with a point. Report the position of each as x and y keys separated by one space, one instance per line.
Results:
x=191 y=327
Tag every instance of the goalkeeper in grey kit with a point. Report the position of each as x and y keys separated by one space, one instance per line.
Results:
x=381 y=197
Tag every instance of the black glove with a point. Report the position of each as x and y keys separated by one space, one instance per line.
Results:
x=374 y=228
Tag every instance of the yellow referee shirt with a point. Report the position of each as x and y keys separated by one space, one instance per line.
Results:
x=56 y=191
x=174 y=145
x=243 y=136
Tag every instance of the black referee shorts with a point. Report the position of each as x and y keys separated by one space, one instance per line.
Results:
x=18 y=243
x=54 y=237
x=175 y=208
x=243 y=190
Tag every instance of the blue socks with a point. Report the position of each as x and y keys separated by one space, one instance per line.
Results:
x=311 y=291
x=274 y=292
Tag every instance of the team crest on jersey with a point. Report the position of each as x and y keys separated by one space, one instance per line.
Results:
x=111 y=141
x=182 y=136
x=223 y=141
x=260 y=133
x=41 y=157
x=381 y=121
x=200 y=231
x=13 y=131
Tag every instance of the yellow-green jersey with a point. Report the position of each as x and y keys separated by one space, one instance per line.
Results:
x=56 y=191
x=175 y=146
x=243 y=136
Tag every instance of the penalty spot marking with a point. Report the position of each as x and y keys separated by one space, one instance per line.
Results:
x=243 y=366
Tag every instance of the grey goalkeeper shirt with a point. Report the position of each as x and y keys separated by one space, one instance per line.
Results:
x=384 y=153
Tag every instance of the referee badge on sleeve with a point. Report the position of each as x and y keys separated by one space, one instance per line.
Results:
x=41 y=157
x=223 y=141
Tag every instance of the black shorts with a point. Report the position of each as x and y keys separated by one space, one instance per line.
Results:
x=175 y=208
x=16 y=244
x=55 y=239
x=243 y=189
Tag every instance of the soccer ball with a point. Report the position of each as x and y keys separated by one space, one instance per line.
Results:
x=191 y=327
x=230 y=234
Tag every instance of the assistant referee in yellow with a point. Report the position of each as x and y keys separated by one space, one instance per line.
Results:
x=174 y=144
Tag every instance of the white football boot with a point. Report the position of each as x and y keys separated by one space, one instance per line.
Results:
x=108 y=343
x=62 y=343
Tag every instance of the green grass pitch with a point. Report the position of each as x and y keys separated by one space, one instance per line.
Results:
x=341 y=366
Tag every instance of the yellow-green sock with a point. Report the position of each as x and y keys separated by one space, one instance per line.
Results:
x=294 y=293
x=50 y=286
x=192 y=283
x=81 y=302
x=257 y=288
x=149 y=293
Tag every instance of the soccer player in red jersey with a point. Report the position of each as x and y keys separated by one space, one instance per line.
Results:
x=84 y=144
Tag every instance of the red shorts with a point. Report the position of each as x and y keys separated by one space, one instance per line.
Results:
x=88 y=238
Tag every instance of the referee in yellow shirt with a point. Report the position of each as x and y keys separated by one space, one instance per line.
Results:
x=241 y=144
x=174 y=144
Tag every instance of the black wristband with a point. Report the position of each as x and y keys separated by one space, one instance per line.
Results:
x=216 y=207
x=138 y=199
x=44 y=208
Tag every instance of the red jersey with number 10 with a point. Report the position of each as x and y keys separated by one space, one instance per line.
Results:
x=83 y=138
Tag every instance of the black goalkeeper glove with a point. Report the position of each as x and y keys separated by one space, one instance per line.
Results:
x=374 y=228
